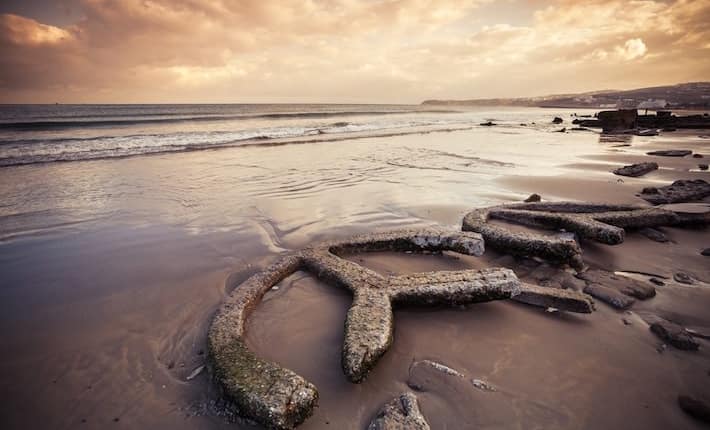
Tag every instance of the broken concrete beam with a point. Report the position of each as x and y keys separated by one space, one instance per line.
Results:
x=563 y=300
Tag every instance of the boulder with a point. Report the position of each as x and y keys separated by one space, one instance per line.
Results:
x=677 y=192
x=674 y=334
x=703 y=166
x=488 y=124
x=705 y=252
x=635 y=170
x=400 y=413
x=609 y=296
x=557 y=120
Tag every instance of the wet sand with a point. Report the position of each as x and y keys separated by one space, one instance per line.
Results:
x=103 y=326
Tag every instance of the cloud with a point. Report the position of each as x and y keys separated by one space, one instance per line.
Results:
x=349 y=50
x=632 y=49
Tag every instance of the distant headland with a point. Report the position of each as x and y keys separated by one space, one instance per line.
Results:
x=691 y=95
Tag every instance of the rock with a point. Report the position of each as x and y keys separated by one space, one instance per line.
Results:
x=623 y=284
x=657 y=282
x=609 y=296
x=695 y=408
x=401 y=413
x=705 y=252
x=674 y=335
x=671 y=153
x=482 y=385
x=679 y=191
x=533 y=198
x=654 y=235
x=668 y=129
x=422 y=374
x=562 y=130
x=683 y=278
x=703 y=166
x=626 y=321
x=488 y=124
x=635 y=170
x=697 y=155
x=557 y=120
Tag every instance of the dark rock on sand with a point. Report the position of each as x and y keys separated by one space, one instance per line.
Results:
x=671 y=153
x=488 y=124
x=533 y=198
x=482 y=385
x=557 y=120
x=683 y=278
x=654 y=235
x=609 y=296
x=657 y=281
x=635 y=170
x=697 y=155
x=679 y=191
x=705 y=252
x=422 y=374
x=703 y=166
x=400 y=413
x=562 y=130
x=674 y=334
x=623 y=284
x=695 y=408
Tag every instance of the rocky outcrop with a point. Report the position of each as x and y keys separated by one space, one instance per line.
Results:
x=400 y=413
x=677 y=192
x=635 y=170
x=603 y=223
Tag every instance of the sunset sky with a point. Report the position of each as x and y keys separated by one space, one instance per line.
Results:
x=383 y=51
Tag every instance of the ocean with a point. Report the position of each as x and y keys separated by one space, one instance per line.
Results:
x=48 y=133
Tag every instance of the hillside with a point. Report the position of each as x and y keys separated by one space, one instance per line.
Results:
x=692 y=95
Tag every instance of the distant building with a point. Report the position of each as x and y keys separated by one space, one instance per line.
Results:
x=653 y=104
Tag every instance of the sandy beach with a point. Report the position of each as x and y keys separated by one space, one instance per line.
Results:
x=113 y=271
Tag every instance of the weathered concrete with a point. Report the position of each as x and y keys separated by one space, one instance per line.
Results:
x=401 y=413
x=603 y=223
x=277 y=397
x=623 y=284
x=564 y=300
x=609 y=295
x=677 y=192
x=635 y=170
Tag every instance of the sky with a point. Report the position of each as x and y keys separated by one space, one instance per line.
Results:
x=347 y=51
